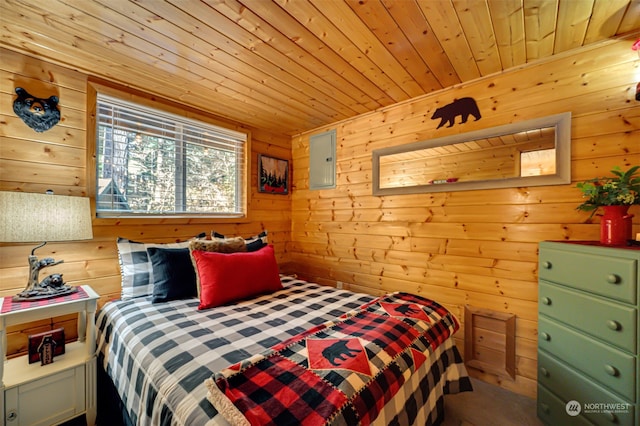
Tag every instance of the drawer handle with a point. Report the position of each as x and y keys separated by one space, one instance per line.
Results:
x=613 y=279
x=611 y=370
x=12 y=415
x=545 y=336
x=614 y=325
x=544 y=372
x=546 y=264
x=546 y=301
x=611 y=417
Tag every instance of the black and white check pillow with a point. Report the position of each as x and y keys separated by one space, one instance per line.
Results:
x=135 y=266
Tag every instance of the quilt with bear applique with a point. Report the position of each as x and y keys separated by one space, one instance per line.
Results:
x=342 y=372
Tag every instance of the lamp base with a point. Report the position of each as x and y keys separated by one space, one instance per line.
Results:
x=44 y=293
x=52 y=286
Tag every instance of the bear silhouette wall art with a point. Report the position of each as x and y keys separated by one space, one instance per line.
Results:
x=463 y=107
x=38 y=113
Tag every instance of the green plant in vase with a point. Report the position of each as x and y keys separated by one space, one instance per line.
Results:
x=622 y=190
x=614 y=195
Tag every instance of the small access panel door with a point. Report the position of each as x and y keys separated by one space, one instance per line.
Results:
x=322 y=160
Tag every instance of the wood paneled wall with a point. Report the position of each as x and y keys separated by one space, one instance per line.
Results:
x=475 y=248
x=57 y=159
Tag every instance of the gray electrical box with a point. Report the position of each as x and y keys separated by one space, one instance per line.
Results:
x=322 y=160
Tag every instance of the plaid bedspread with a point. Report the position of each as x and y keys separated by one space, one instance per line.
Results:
x=158 y=356
x=341 y=372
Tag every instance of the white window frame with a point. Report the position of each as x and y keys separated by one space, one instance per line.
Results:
x=182 y=115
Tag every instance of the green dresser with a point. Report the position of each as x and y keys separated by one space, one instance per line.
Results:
x=588 y=342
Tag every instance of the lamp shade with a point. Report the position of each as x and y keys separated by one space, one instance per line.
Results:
x=28 y=217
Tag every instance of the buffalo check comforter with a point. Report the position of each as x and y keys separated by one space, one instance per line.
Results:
x=159 y=356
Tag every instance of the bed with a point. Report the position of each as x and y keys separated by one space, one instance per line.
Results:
x=158 y=356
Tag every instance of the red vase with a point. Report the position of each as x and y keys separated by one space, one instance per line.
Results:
x=615 y=225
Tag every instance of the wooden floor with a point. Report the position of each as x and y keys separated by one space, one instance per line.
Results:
x=489 y=405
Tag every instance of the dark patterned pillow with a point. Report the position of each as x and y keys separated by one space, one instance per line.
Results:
x=253 y=243
x=219 y=245
x=135 y=267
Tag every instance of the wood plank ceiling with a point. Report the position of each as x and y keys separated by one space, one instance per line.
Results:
x=293 y=65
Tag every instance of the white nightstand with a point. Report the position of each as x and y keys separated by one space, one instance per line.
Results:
x=32 y=394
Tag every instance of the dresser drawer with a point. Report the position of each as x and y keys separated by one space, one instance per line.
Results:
x=614 y=323
x=570 y=385
x=609 y=366
x=553 y=411
x=608 y=276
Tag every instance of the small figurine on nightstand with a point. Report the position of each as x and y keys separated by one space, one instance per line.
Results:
x=46 y=349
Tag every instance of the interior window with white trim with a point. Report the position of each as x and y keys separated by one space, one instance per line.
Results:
x=151 y=162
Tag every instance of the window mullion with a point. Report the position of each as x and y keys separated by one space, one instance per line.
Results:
x=181 y=170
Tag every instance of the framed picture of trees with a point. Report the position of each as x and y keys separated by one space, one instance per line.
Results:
x=274 y=175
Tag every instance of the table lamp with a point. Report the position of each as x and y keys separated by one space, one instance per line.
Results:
x=28 y=217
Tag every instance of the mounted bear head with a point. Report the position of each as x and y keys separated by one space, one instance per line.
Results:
x=39 y=114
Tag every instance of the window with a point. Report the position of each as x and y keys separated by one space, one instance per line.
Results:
x=151 y=162
x=538 y=163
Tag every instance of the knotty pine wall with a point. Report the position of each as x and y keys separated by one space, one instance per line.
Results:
x=475 y=248
x=57 y=159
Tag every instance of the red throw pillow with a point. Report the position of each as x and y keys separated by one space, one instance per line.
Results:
x=228 y=277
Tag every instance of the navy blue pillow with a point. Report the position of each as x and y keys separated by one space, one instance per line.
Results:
x=173 y=274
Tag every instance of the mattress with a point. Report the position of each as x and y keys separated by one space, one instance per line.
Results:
x=159 y=356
